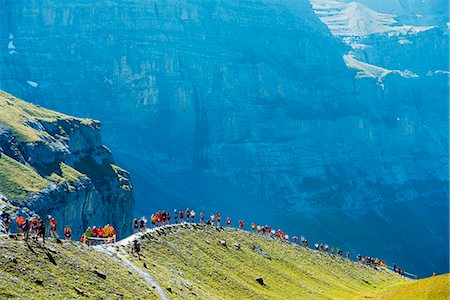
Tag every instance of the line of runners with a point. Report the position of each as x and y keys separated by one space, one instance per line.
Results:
x=164 y=217
x=107 y=234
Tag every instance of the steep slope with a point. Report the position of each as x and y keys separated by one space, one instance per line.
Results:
x=64 y=271
x=244 y=105
x=192 y=262
x=56 y=164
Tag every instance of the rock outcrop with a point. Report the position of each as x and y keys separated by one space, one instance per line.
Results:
x=63 y=168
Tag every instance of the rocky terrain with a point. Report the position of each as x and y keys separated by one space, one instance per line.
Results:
x=55 y=164
x=256 y=109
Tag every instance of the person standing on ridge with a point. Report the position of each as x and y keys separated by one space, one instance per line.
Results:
x=294 y=239
x=6 y=219
x=135 y=225
x=19 y=223
x=228 y=222
x=41 y=230
x=26 y=227
x=218 y=219
x=188 y=215
x=193 y=216
x=241 y=224
x=53 y=232
x=253 y=227
x=202 y=218
x=68 y=233
x=181 y=216
x=175 y=216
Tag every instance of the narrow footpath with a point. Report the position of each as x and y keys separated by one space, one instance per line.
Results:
x=114 y=252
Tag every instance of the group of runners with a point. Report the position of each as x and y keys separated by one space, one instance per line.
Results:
x=107 y=234
x=34 y=225
x=164 y=217
x=101 y=235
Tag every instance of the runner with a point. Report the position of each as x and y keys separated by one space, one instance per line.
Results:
x=41 y=231
x=241 y=224
x=19 y=223
x=193 y=216
x=202 y=218
x=188 y=215
x=53 y=232
x=68 y=233
x=228 y=222
x=253 y=227
x=181 y=216
x=135 y=225
x=6 y=219
x=26 y=229
x=218 y=219
x=175 y=216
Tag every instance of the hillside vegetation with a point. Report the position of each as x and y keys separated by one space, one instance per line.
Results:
x=19 y=115
x=193 y=263
x=196 y=262
x=64 y=271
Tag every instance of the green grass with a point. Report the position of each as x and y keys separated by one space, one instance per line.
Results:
x=74 y=267
x=14 y=113
x=436 y=287
x=194 y=264
x=191 y=261
x=17 y=181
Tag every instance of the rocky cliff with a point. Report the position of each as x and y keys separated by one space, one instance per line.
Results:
x=249 y=108
x=56 y=164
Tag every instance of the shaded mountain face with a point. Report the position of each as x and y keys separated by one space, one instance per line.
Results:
x=248 y=108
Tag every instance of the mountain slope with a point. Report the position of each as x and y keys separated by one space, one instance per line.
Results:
x=189 y=262
x=193 y=263
x=249 y=106
x=64 y=271
x=55 y=164
x=436 y=287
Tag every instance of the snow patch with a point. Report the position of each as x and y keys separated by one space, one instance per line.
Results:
x=32 y=83
x=356 y=19
x=366 y=70
x=404 y=42
x=11 y=45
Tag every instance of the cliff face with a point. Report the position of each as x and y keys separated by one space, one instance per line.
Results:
x=248 y=106
x=56 y=164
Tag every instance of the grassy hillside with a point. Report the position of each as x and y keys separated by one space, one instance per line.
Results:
x=15 y=113
x=194 y=264
x=437 y=287
x=191 y=262
x=18 y=180
x=64 y=271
